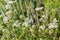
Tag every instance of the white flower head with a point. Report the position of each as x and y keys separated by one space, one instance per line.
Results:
x=4 y=30
x=25 y=24
x=38 y=8
x=21 y=16
x=27 y=19
x=7 y=0
x=8 y=14
x=33 y=26
x=30 y=20
x=10 y=2
x=40 y=19
x=42 y=27
x=8 y=6
x=52 y=25
x=5 y=19
x=16 y=23
x=54 y=20
x=1 y=15
x=44 y=16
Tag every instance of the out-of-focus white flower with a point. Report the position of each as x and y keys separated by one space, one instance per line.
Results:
x=5 y=19
x=44 y=16
x=54 y=20
x=8 y=14
x=25 y=24
x=1 y=15
x=33 y=26
x=31 y=29
x=40 y=19
x=21 y=16
x=8 y=6
x=4 y=30
x=15 y=10
x=53 y=25
x=16 y=23
x=1 y=27
x=38 y=8
x=42 y=27
x=41 y=39
x=7 y=0
x=29 y=20
x=10 y=2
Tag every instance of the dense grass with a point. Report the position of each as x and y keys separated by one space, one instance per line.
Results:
x=23 y=20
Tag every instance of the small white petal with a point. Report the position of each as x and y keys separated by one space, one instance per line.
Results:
x=8 y=14
x=7 y=0
x=38 y=8
x=44 y=16
x=53 y=25
x=21 y=16
x=33 y=26
x=5 y=19
x=27 y=19
x=16 y=23
x=30 y=20
x=25 y=24
x=8 y=6
x=1 y=15
x=40 y=19
x=54 y=20
x=42 y=27
x=10 y=2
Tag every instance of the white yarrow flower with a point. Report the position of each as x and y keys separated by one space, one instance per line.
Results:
x=1 y=15
x=30 y=20
x=4 y=30
x=10 y=2
x=8 y=6
x=44 y=16
x=7 y=0
x=38 y=8
x=5 y=19
x=33 y=26
x=54 y=20
x=21 y=16
x=16 y=23
x=52 y=25
x=25 y=24
x=42 y=27
x=8 y=14
x=27 y=19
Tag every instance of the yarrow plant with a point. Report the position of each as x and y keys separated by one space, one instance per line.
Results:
x=29 y=20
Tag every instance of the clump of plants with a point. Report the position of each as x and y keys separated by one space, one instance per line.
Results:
x=29 y=20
